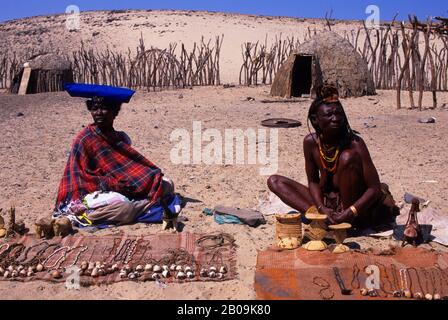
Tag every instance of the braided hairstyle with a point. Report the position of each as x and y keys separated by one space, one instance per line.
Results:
x=328 y=94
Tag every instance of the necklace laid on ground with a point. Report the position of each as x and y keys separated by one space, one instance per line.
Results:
x=385 y=275
x=325 y=285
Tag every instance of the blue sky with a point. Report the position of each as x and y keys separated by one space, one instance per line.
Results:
x=348 y=9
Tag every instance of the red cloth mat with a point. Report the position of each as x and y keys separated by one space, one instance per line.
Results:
x=158 y=247
x=306 y=275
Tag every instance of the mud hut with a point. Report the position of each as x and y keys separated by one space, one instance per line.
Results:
x=43 y=73
x=325 y=58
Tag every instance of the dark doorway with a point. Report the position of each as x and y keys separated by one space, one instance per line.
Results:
x=301 y=76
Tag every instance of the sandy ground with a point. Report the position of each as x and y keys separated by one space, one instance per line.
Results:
x=33 y=148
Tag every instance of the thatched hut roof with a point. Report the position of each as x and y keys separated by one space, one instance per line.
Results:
x=43 y=73
x=49 y=61
x=335 y=61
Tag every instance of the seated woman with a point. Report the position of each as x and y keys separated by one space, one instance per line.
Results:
x=343 y=182
x=102 y=161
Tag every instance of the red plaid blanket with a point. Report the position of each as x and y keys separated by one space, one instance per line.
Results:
x=97 y=162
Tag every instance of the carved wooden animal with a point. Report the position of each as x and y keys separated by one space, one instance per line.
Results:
x=44 y=228
x=62 y=227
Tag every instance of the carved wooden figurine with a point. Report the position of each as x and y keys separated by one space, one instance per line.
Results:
x=44 y=228
x=62 y=227
x=412 y=230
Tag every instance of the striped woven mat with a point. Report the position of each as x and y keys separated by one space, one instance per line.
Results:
x=162 y=248
x=306 y=275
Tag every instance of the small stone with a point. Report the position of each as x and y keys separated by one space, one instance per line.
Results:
x=56 y=274
x=148 y=267
x=155 y=276
x=139 y=268
x=165 y=273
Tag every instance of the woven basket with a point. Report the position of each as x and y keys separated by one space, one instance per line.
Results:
x=288 y=231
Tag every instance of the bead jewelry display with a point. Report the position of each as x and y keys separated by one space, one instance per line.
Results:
x=177 y=263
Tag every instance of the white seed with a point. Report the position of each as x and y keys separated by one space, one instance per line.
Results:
x=157 y=268
x=101 y=272
x=187 y=268
x=212 y=274
x=29 y=273
x=178 y=268
x=30 y=269
x=132 y=275
x=190 y=274
x=165 y=273
x=437 y=296
x=10 y=268
x=418 y=296
x=123 y=274
x=428 y=296
x=97 y=264
x=115 y=267
x=39 y=268
x=149 y=267
x=204 y=272
x=91 y=266
x=213 y=269
x=173 y=267
x=165 y=268
x=219 y=275
x=139 y=268
x=20 y=268
x=223 y=270
x=155 y=276
x=6 y=274
x=180 y=275
x=95 y=272
x=15 y=274
x=22 y=273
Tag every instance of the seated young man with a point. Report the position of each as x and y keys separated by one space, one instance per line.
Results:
x=343 y=182
x=102 y=161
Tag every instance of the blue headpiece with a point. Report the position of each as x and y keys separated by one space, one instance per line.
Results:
x=103 y=93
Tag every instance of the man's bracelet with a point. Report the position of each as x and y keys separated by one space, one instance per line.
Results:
x=354 y=210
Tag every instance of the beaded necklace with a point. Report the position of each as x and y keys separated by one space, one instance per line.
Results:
x=326 y=159
x=355 y=277
x=385 y=275
x=121 y=253
x=130 y=252
x=417 y=276
x=325 y=285
x=403 y=280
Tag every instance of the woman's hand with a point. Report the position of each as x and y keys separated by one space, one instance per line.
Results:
x=329 y=213
x=340 y=217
